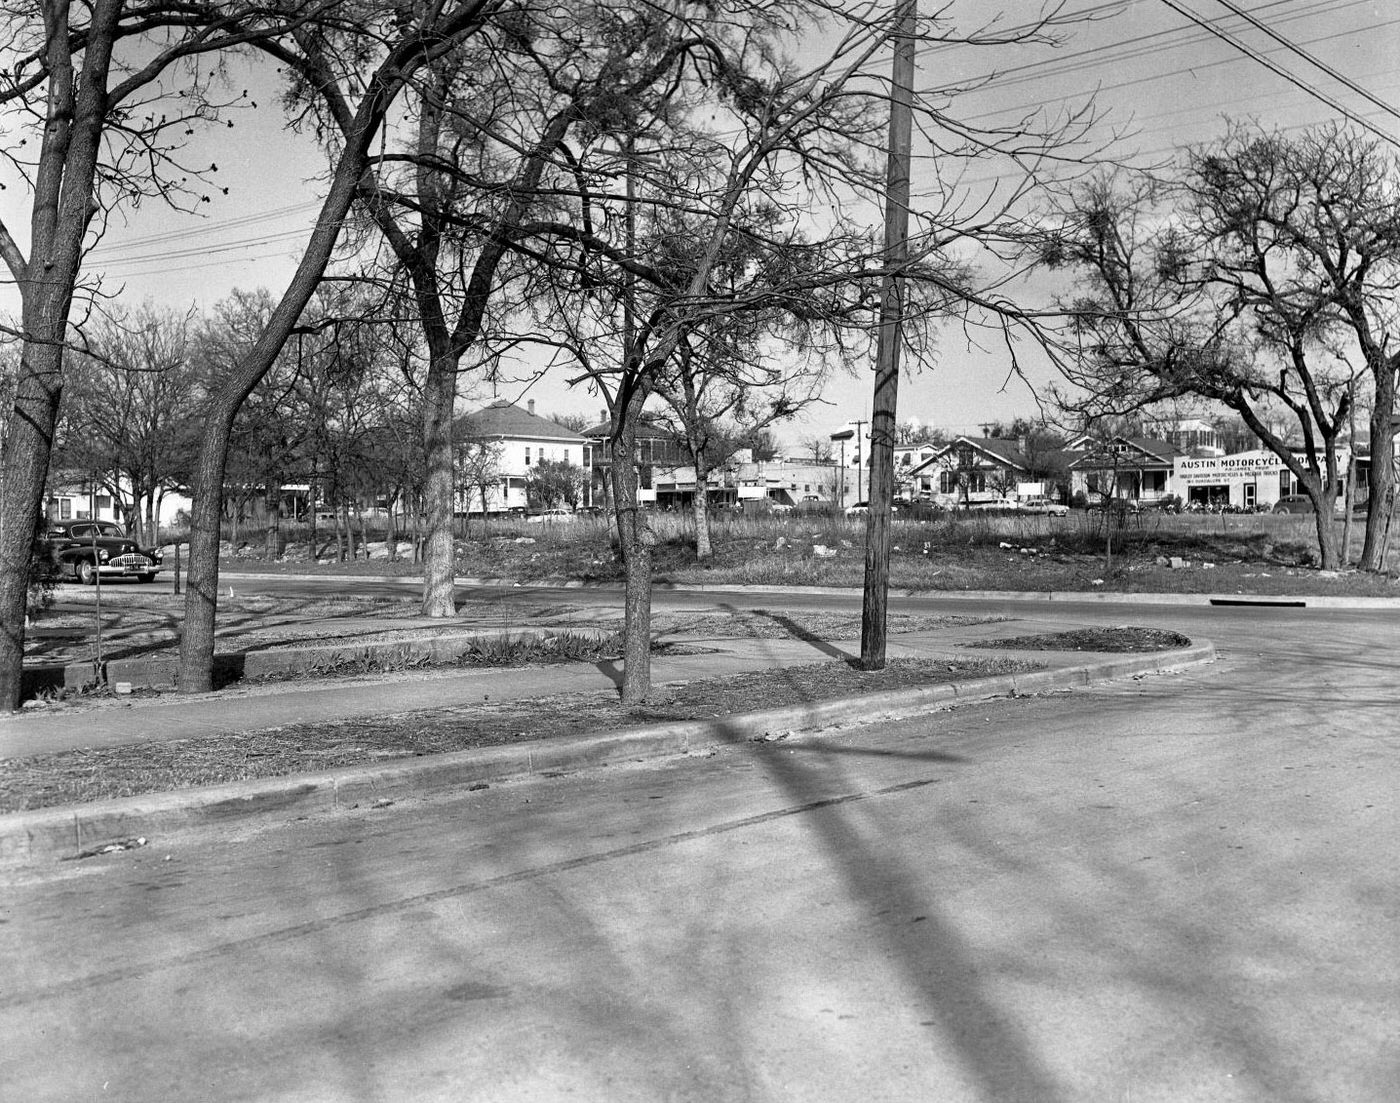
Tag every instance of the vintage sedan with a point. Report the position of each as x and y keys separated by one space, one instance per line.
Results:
x=1047 y=506
x=85 y=550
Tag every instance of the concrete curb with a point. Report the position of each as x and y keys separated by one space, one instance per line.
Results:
x=441 y=649
x=74 y=831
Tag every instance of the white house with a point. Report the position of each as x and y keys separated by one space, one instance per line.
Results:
x=497 y=448
x=71 y=498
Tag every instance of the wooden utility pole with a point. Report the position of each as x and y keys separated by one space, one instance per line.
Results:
x=883 y=408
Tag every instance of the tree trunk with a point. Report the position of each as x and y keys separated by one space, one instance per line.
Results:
x=439 y=398
x=701 y=506
x=359 y=131
x=62 y=208
x=196 y=673
x=391 y=533
x=636 y=541
x=1323 y=496
x=272 y=536
x=1379 y=478
x=24 y=461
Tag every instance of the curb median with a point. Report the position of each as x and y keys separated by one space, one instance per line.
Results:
x=76 y=831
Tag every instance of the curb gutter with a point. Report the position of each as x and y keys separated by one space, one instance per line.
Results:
x=76 y=831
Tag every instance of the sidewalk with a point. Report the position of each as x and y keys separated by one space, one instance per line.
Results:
x=79 y=830
x=112 y=721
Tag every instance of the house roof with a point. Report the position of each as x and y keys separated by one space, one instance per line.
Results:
x=1139 y=449
x=505 y=420
x=649 y=427
x=1004 y=453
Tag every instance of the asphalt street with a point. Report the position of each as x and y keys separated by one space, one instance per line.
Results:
x=1174 y=888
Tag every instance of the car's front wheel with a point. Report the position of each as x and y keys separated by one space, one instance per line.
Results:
x=86 y=573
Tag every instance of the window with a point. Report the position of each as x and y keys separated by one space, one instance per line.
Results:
x=104 y=501
x=65 y=509
x=527 y=455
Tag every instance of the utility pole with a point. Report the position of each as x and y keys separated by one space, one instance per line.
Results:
x=860 y=496
x=883 y=409
x=843 y=436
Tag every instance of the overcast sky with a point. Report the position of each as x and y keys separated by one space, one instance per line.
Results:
x=1155 y=74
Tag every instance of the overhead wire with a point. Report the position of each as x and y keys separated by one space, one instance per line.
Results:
x=1297 y=82
x=1340 y=78
x=1049 y=68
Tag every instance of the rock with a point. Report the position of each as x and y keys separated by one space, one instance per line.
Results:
x=1177 y=563
x=1162 y=561
x=821 y=551
x=780 y=543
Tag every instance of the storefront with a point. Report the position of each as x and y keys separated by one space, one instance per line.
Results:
x=1248 y=480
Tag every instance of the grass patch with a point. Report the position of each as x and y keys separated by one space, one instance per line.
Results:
x=1121 y=639
x=1256 y=553
x=73 y=777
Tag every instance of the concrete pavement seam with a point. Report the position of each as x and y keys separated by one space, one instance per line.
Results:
x=70 y=831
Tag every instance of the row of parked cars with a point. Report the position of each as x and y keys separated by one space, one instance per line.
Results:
x=1045 y=506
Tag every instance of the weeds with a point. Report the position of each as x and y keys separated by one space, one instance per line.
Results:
x=504 y=649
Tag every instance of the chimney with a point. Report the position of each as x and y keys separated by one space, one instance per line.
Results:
x=530 y=406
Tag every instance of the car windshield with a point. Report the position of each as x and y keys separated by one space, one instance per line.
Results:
x=104 y=528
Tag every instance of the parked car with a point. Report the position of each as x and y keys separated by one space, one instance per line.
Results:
x=549 y=516
x=1044 y=505
x=1000 y=504
x=84 y=550
x=858 y=510
x=1301 y=503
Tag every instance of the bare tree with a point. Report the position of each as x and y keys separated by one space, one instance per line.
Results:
x=92 y=126
x=491 y=125
x=128 y=418
x=1306 y=230
x=1188 y=292
x=819 y=447
x=721 y=385
x=479 y=472
x=353 y=70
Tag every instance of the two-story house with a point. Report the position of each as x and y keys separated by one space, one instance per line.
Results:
x=498 y=446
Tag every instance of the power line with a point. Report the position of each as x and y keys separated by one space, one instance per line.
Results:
x=1292 y=47
x=1193 y=69
x=1119 y=52
x=1274 y=67
x=1310 y=10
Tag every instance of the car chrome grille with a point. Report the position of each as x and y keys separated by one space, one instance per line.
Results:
x=131 y=561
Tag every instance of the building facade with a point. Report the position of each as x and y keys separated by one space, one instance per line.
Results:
x=499 y=447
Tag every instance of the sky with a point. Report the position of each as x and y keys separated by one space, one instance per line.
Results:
x=1159 y=82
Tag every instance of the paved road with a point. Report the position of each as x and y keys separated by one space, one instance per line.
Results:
x=1180 y=888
